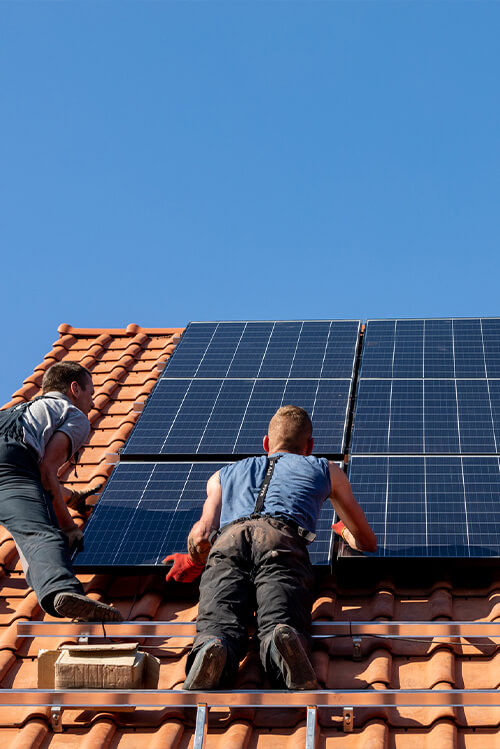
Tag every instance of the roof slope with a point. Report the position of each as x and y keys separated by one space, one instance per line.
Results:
x=125 y=365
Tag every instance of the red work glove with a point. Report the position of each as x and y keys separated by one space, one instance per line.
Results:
x=339 y=528
x=183 y=569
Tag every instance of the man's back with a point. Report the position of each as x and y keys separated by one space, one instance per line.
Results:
x=298 y=487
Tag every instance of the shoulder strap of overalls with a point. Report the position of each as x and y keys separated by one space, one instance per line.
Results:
x=9 y=419
x=265 y=485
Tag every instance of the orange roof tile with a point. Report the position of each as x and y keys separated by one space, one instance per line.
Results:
x=124 y=364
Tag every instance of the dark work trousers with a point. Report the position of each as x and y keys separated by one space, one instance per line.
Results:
x=27 y=513
x=256 y=565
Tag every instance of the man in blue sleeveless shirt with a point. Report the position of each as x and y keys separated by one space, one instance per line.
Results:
x=259 y=560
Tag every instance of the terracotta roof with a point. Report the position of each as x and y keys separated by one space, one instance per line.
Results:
x=124 y=364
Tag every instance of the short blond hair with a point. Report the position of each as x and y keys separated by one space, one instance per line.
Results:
x=290 y=428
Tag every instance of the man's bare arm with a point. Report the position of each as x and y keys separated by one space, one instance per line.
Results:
x=198 y=539
x=359 y=534
x=56 y=454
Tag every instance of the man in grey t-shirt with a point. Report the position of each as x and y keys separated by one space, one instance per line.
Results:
x=36 y=439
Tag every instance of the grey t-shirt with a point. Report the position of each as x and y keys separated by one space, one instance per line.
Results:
x=54 y=413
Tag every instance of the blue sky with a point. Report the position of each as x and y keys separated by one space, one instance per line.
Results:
x=171 y=161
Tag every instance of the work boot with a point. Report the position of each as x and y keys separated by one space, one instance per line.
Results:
x=289 y=655
x=85 y=609
x=208 y=665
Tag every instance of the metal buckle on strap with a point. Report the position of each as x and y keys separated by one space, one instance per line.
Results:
x=308 y=536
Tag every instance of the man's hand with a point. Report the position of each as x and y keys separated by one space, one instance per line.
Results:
x=183 y=569
x=342 y=530
x=77 y=499
x=198 y=544
x=74 y=536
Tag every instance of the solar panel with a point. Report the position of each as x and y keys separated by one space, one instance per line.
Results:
x=427 y=416
x=428 y=387
x=230 y=417
x=147 y=510
x=431 y=348
x=295 y=349
x=430 y=506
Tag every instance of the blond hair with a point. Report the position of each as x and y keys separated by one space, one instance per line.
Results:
x=290 y=428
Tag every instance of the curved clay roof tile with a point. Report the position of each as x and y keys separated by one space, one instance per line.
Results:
x=7 y=660
x=66 y=341
x=117 y=373
x=27 y=392
x=141 y=339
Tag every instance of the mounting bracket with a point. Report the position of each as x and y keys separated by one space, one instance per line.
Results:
x=56 y=719
x=348 y=717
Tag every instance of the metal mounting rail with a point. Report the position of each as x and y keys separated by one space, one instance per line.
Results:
x=347 y=700
x=151 y=698
x=160 y=630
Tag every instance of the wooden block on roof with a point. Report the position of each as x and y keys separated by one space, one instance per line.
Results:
x=115 y=666
x=99 y=667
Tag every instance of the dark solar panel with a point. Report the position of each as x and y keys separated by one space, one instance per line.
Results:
x=148 y=509
x=297 y=349
x=427 y=416
x=448 y=348
x=219 y=417
x=426 y=386
x=430 y=506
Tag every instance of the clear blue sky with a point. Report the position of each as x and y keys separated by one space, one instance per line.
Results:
x=168 y=161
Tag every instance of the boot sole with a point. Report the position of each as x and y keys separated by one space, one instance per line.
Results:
x=207 y=667
x=301 y=674
x=76 y=606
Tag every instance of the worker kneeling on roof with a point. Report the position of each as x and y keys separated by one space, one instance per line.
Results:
x=260 y=514
x=36 y=439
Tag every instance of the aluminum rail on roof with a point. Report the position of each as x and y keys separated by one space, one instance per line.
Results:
x=319 y=629
x=90 y=698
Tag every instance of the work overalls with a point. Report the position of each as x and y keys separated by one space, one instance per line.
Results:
x=27 y=513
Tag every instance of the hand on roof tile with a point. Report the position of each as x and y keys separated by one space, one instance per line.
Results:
x=183 y=569
x=77 y=499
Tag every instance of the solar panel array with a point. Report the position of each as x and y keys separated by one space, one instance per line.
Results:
x=424 y=446
x=212 y=404
x=148 y=509
x=426 y=436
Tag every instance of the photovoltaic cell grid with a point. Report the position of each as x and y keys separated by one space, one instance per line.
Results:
x=148 y=509
x=296 y=349
x=219 y=417
x=430 y=506
x=443 y=349
x=429 y=387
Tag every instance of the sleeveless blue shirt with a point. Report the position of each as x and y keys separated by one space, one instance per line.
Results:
x=298 y=488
